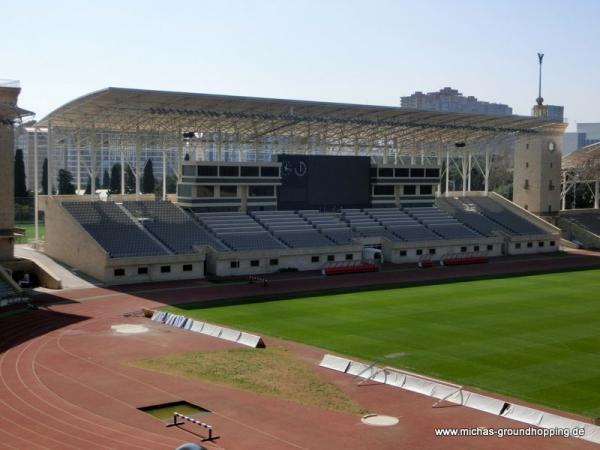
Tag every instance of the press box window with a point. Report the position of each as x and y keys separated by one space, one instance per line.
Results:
x=184 y=190
x=205 y=191
x=165 y=269
x=518 y=245
x=228 y=191
x=541 y=244
x=250 y=171
x=402 y=252
x=419 y=252
x=261 y=191
x=490 y=247
x=383 y=190
x=426 y=189
x=142 y=270
x=349 y=256
x=254 y=263
x=401 y=173
x=314 y=259
x=476 y=248
x=207 y=171
x=229 y=171
x=330 y=257
x=417 y=173
x=529 y=244
x=274 y=262
x=432 y=251
x=187 y=267
x=432 y=173
x=269 y=171
x=189 y=171
x=410 y=190
x=119 y=272
x=234 y=264
x=386 y=172
x=463 y=249
x=552 y=243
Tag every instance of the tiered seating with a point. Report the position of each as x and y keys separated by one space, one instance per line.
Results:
x=508 y=219
x=113 y=229
x=470 y=215
x=442 y=223
x=330 y=225
x=172 y=226
x=402 y=225
x=365 y=225
x=292 y=229
x=239 y=231
x=589 y=221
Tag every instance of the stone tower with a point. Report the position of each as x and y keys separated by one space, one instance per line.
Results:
x=9 y=112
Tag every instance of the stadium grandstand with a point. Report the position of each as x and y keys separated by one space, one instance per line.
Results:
x=581 y=177
x=266 y=185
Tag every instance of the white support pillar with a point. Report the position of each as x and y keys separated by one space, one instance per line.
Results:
x=36 y=187
x=447 y=171
x=93 y=149
x=469 y=172
x=138 y=157
x=386 y=151
x=180 y=156
x=574 y=206
x=464 y=172
x=596 y=194
x=50 y=147
x=122 y=172
x=164 y=174
x=486 y=175
x=78 y=150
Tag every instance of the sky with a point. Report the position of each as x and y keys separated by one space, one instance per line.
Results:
x=369 y=52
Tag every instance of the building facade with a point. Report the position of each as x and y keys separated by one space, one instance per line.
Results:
x=451 y=100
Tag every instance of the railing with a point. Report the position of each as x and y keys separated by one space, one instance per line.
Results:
x=456 y=259
x=342 y=267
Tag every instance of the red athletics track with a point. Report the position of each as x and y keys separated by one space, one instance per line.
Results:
x=64 y=382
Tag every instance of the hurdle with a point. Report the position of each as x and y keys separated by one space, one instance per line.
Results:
x=176 y=423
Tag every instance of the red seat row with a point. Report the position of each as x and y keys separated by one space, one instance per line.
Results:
x=466 y=260
x=357 y=268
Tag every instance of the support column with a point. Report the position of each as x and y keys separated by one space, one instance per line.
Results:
x=596 y=194
x=164 y=175
x=464 y=173
x=469 y=174
x=180 y=156
x=122 y=172
x=36 y=187
x=50 y=147
x=93 y=149
x=486 y=175
x=574 y=206
x=447 y=171
x=138 y=157
x=78 y=149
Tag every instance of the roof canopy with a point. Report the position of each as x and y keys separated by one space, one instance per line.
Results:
x=130 y=110
x=585 y=161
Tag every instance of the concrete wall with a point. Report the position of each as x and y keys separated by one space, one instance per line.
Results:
x=69 y=243
x=572 y=231
x=300 y=259
x=409 y=252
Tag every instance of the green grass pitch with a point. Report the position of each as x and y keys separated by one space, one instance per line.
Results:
x=536 y=338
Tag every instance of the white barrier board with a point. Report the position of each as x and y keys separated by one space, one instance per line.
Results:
x=230 y=335
x=250 y=340
x=335 y=363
